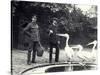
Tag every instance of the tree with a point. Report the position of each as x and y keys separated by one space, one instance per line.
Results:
x=70 y=20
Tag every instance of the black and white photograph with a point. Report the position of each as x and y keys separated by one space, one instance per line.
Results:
x=49 y=37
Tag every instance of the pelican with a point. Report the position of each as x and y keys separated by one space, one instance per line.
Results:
x=68 y=50
x=89 y=56
x=77 y=55
x=93 y=53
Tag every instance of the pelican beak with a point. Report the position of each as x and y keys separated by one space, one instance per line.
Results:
x=94 y=42
x=90 y=43
x=61 y=35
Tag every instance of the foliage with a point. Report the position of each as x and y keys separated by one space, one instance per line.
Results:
x=71 y=20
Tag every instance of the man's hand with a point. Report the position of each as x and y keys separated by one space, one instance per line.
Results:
x=51 y=31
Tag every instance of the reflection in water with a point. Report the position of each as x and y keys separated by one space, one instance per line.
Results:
x=59 y=68
x=70 y=68
x=56 y=69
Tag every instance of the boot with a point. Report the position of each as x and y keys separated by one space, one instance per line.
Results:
x=28 y=57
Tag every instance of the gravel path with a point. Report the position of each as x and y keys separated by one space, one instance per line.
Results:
x=19 y=58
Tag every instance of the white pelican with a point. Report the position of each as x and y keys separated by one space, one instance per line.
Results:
x=77 y=54
x=93 y=53
x=68 y=50
x=89 y=55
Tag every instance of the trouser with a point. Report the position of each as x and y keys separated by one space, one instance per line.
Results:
x=33 y=45
x=51 y=51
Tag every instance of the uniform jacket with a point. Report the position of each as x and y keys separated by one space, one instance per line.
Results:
x=53 y=38
x=33 y=30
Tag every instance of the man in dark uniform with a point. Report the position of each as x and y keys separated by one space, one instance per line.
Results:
x=53 y=41
x=34 y=38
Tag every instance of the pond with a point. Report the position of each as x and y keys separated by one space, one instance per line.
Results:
x=59 y=68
